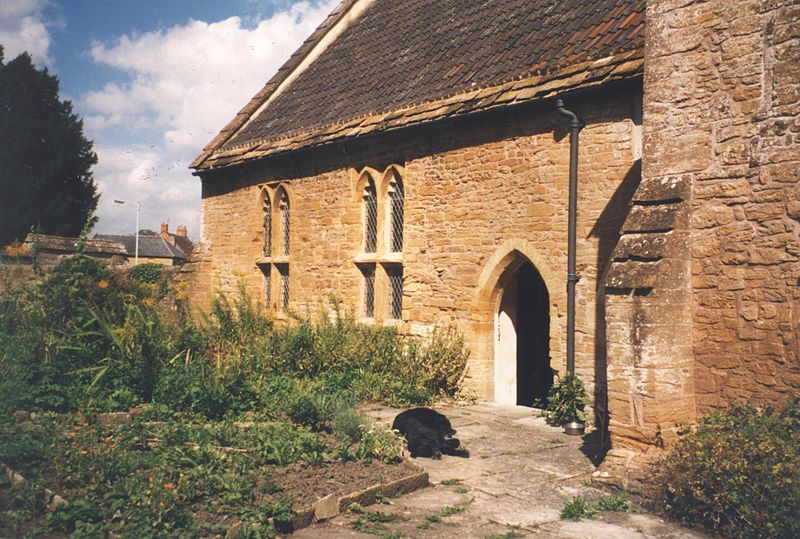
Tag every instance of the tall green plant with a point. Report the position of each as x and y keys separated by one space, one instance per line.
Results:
x=566 y=401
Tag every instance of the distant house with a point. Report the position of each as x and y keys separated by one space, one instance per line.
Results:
x=163 y=248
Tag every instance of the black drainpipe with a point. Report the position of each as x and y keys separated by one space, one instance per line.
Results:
x=572 y=278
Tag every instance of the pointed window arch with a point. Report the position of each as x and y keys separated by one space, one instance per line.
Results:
x=267 y=224
x=396 y=213
x=283 y=212
x=370 y=216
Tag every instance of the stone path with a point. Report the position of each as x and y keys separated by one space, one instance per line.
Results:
x=515 y=483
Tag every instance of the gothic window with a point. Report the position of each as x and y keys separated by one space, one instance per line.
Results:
x=283 y=209
x=370 y=216
x=266 y=270
x=283 y=270
x=368 y=307
x=267 y=225
x=396 y=201
x=395 y=274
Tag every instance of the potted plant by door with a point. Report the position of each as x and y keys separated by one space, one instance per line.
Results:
x=565 y=404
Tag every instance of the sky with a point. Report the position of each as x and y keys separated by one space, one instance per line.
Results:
x=155 y=81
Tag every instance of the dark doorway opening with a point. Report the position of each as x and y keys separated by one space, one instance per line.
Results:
x=534 y=375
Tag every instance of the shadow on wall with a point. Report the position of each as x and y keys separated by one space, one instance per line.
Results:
x=607 y=230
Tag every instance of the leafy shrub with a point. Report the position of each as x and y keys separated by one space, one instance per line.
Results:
x=380 y=443
x=443 y=359
x=347 y=424
x=566 y=401
x=70 y=516
x=150 y=273
x=737 y=473
x=306 y=410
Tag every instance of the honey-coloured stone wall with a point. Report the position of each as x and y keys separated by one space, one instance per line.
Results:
x=482 y=196
x=726 y=119
x=705 y=304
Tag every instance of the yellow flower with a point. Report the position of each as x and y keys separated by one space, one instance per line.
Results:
x=14 y=249
x=102 y=283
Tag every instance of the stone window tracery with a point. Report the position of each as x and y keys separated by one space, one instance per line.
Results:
x=379 y=259
x=274 y=260
x=370 y=216
x=267 y=225
x=395 y=274
x=396 y=210
x=283 y=209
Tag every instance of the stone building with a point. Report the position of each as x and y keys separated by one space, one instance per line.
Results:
x=164 y=248
x=409 y=159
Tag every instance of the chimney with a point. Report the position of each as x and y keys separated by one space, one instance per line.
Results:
x=181 y=231
x=164 y=229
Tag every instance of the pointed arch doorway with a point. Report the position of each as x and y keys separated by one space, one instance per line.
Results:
x=522 y=373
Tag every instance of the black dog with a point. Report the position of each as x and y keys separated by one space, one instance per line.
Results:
x=428 y=433
x=426 y=417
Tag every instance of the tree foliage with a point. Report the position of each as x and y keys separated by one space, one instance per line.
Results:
x=45 y=161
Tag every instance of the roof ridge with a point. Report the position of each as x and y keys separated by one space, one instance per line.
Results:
x=297 y=57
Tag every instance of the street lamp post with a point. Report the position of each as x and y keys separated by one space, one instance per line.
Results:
x=136 y=253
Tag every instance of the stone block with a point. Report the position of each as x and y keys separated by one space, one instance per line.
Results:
x=712 y=215
x=730 y=188
x=644 y=247
x=657 y=218
x=327 y=507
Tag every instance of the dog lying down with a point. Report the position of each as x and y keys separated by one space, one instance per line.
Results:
x=428 y=433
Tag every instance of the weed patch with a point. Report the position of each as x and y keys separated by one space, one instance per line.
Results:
x=578 y=508
x=737 y=473
x=453 y=481
x=84 y=339
x=511 y=534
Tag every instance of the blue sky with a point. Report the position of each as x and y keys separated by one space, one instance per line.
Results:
x=154 y=82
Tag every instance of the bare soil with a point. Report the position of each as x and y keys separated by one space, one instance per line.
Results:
x=306 y=483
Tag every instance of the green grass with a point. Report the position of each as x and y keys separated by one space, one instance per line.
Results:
x=576 y=509
x=449 y=482
x=615 y=502
x=511 y=534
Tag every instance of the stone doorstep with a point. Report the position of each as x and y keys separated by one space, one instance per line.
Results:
x=18 y=481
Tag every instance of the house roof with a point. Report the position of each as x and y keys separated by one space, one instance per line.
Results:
x=149 y=246
x=377 y=65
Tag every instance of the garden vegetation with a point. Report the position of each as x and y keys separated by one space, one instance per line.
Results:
x=227 y=395
x=737 y=473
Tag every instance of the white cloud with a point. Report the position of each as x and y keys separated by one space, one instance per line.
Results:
x=133 y=174
x=23 y=27
x=183 y=85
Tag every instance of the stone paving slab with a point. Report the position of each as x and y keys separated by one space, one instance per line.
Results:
x=520 y=473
